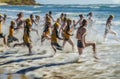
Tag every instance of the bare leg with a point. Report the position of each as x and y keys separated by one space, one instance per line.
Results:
x=71 y=43
x=80 y=50
x=48 y=38
x=35 y=31
x=30 y=51
x=8 y=44
x=42 y=40
x=5 y=40
x=54 y=49
x=105 y=35
x=64 y=42
x=114 y=33
x=94 y=48
x=18 y=44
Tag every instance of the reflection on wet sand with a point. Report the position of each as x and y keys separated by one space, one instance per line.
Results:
x=12 y=76
x=24 y=77
x=1 y=71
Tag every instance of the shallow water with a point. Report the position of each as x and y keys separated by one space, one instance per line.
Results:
x=64 y=64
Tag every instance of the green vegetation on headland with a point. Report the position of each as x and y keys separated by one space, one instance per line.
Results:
x=19 y=2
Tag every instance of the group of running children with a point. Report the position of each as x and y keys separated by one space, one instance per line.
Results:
x=62 y=29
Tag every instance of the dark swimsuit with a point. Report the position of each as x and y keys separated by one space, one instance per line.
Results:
x=79 y=44
x=11 y=39
x=2 y=35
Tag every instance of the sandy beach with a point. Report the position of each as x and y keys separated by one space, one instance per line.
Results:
x=3 y=4
x=16 y=64
x=61 y=66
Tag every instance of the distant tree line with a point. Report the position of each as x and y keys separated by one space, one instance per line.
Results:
x=19 y=2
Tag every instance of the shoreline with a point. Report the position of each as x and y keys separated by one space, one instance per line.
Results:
x=3 y=4
x=15 y=63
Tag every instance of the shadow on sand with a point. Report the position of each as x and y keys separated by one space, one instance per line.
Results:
x=20 y=60
x=23 y=71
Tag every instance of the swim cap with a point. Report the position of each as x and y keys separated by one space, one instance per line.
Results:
x=111 y=16
x=19 y=14
x=81 y=15
x=65 y=19
x=56 y=24
x=29 y=24
x=12 y=22
x=28 y=20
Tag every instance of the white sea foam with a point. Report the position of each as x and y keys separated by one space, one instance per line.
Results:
x=25 y=11
x=64 y=63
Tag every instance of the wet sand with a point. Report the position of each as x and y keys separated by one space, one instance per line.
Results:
x=61 y=66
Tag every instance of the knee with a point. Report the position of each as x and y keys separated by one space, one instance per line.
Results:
x=31 y=46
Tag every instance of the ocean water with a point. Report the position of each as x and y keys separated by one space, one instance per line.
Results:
x=63 y=65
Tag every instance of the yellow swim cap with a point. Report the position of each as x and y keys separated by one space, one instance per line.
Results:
x=28 y=20
x=56 y=24
x=29 y=24
x=12 y=22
